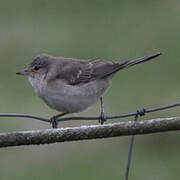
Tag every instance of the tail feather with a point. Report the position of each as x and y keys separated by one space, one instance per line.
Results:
x=129 y=63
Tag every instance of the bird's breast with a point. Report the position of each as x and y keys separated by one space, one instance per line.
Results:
x=38 y=84
x=70 y=98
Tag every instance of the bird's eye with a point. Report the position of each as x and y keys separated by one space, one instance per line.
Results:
x=36 y=68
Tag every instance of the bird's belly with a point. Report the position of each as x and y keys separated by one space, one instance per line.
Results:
x=68 y=98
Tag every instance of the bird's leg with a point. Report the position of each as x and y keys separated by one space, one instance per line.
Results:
x=102 y=117
x=53 y=120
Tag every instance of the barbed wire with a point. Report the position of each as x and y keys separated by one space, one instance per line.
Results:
x=143 y=110
x=139 y=112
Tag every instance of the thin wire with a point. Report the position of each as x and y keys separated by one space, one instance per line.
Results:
x=24 y=116
x=88 y=118
x=122 y=115
x=130 y=152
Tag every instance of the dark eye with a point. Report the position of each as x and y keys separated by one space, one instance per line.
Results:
x=36 y=68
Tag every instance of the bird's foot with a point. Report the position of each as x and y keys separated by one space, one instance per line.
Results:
x=54 y=119
x=141 y=112
x=54 y=122
x=102 y=118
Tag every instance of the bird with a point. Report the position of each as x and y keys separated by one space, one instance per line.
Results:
x=71 y=85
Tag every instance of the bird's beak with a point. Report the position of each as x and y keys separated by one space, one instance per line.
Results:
x=24 y=72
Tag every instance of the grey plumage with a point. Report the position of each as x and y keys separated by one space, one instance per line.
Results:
x=76 y=71
x=72 y=85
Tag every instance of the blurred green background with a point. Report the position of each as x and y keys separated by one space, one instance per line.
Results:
x=112 y=30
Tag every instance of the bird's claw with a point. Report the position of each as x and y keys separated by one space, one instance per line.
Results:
x=102 y=118
x=54 y=122
x=141 y=112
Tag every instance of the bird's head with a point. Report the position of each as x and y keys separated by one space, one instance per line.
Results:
x=37 y=68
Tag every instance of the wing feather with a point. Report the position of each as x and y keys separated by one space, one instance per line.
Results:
x=85 y=71
x=75 y=71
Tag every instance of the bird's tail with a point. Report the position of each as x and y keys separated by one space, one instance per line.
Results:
x=128 y=63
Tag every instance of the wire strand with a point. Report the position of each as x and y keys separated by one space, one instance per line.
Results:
x=88 y=118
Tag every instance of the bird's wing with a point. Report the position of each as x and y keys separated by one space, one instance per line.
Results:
x=86 y=71
x=78 y=71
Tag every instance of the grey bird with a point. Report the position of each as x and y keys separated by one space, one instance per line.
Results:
x=72 y=85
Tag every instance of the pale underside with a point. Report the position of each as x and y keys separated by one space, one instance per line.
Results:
x=69 y=98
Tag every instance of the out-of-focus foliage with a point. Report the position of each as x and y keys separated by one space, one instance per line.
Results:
x=111 y=30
